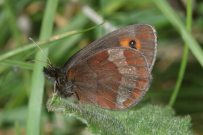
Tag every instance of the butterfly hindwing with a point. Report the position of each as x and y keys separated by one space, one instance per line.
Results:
x=113 y=78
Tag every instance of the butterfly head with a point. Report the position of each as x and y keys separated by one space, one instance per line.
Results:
x=63 y=86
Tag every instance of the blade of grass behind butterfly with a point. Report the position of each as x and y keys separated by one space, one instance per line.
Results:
x=178 y=24
x=37 y=85
x=185 y=56
x=78 y=22
x=43 y=43
x=20 y=64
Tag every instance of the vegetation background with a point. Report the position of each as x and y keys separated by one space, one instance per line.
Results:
x=177 y=74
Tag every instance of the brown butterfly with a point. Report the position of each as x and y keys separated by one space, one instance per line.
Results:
x=113 y=72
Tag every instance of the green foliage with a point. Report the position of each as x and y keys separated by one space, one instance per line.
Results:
x=37 y=82
x=176 y=21
x=148 y=120
x=185 y=56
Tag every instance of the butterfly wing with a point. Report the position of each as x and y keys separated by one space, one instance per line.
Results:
x=113 y=78
x=143 y=35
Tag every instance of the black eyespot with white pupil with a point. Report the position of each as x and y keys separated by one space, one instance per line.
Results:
x=132 y=44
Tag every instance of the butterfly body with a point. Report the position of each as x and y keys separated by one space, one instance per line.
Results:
x=113 y=72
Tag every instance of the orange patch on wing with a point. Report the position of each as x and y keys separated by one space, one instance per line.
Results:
x=138 y=44
x=124 y=42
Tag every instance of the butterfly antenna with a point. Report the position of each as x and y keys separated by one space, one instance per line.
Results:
x=49 y=61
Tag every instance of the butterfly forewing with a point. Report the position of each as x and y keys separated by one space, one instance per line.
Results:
x=113 y=78
x=143 y=35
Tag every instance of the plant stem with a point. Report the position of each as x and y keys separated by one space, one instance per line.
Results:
x=185 y=56
x=44 y=43
x=175 y=20
x=37 y=85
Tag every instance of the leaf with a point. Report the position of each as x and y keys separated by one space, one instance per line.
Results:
x=150 y=119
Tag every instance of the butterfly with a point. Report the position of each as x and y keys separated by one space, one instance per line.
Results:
x=113 y=72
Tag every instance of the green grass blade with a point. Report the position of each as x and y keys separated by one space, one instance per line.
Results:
x=176 y=22
x=43 y=43
x=37 y=86
x=185 y=56
x=17 y=128
x=20 y=64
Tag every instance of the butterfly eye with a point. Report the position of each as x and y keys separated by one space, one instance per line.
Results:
x=132 y=44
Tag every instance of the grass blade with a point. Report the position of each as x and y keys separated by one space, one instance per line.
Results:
x=37 y=86
x=43 y=43
x=185 y=56
x=176 y=22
